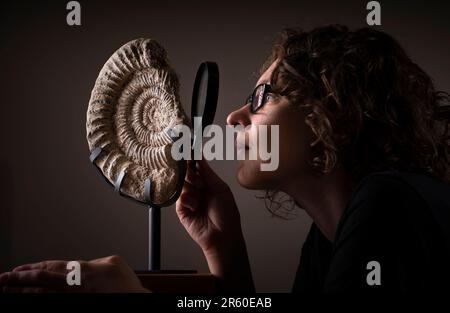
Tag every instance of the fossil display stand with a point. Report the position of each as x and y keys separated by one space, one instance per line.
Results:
x=204 y=102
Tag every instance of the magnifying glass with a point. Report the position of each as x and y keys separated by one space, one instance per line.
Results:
x=204 y=103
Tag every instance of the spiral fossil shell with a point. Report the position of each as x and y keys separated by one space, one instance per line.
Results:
x=134 y=101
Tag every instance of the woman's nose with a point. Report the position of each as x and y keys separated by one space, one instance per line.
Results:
x=239 y=117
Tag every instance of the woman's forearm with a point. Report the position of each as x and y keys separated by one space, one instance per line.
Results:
x=230 y=265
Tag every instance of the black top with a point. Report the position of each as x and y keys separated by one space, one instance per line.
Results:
x=402 y=221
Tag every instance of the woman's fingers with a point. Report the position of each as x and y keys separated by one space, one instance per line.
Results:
x=191 y=192
x=212 y=180
x=189 y=200
x=193 y=178
x=16 y=289
x=41 y=277
x=53 y=266
x=188 y=203
x=36 y=277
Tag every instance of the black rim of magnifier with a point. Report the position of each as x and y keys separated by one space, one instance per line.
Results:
x=208 y=73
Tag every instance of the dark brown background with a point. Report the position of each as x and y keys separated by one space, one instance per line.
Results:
x=54 y=204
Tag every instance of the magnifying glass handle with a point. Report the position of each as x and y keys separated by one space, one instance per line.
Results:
x=193 y=166
x=193 y=163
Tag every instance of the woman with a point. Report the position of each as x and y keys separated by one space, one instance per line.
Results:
x=363 y=150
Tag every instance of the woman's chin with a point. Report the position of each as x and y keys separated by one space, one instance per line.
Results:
x=250 y=176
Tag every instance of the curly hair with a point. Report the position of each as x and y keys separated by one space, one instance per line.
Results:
x=369 y=106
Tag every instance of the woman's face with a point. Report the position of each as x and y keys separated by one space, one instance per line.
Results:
x=294 y=139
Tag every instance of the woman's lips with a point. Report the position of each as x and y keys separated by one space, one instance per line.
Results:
x=240 y=146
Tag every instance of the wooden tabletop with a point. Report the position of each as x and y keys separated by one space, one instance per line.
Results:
x=178 y=283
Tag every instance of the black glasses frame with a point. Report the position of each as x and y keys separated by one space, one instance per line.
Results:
x=258 y=98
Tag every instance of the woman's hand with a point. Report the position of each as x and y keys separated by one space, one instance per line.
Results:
x=207 y=210
x=109 y=274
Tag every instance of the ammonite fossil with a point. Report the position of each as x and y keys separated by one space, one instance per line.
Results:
x=134 y=102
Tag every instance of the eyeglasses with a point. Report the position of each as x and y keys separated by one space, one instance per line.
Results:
x=260 y=96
